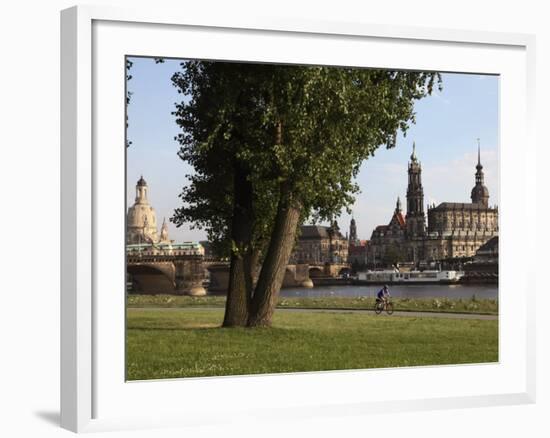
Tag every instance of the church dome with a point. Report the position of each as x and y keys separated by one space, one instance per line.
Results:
x=480 y=193
x=141 y=221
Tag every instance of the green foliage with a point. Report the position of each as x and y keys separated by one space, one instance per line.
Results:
x=221 y=124
x=295 y=131
x=393 y=255
x=190 y=343
x=128 y=93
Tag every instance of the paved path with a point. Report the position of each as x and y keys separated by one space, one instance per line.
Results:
x=411 y=314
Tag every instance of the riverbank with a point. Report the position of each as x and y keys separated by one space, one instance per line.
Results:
x=459 y=305
x=191 y=343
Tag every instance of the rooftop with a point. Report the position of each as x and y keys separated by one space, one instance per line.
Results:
x=460 y=206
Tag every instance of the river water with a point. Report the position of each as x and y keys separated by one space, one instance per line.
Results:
x=403 y=291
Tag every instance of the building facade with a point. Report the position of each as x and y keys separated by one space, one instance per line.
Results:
x=453 y=229
x=141 y=222
x=142 y=236
x=319 y=245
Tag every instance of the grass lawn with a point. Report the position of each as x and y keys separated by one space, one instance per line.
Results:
x=190 y=343
x=459 y=305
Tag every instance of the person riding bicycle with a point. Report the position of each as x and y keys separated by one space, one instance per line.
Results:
x=383 y=295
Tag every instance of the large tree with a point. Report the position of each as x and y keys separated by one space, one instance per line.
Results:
x=286 y=142
x=222 y=122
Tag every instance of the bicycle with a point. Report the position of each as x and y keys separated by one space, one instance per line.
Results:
x=383 y=305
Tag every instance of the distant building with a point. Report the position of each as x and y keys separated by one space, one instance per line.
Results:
x=353 y=232
x=185 y=248
x=141 y=223
x=208 y=249
x=141 y=230
x=387 y=239
x=454 y=229
x=318 y=245
x=484 y=266
x=357 y=254
x=488 y=252
x=357 y=249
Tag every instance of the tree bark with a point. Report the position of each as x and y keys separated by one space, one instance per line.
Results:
x=275 y=262
x=240 y=283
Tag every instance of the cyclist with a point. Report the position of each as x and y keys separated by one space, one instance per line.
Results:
x=383 y=295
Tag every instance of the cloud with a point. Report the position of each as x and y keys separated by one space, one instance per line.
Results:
x=449 y=181
x=453 y=181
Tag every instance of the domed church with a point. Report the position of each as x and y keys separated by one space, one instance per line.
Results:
x=141 y=225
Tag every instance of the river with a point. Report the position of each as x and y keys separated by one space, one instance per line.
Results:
x=403 y=291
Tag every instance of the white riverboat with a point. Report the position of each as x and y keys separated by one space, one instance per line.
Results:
x=396 y=277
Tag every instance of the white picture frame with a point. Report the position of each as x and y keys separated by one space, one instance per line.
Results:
x=90 y=360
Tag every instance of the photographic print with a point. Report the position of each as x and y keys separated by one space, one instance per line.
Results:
x=297 y=218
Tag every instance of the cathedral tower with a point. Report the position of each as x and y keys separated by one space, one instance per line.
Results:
x=480 y=193
x=352 y=231
x=416 y=221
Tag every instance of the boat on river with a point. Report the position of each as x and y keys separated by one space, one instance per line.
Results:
x=409 y=277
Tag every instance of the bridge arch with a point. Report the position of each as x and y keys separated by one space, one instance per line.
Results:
x=152 y=279
x=290 y=277
x=315 y=271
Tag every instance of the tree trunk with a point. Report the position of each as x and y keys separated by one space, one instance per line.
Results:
x=236 y=305
x=275 y=262
x=240 y=283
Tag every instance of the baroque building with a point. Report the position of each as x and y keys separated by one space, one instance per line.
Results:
x=319 y=245
x=357 y=249
x=388 y=238
x=141 y=220
x=142 y=236
x=454 y=229
x=353 y=232
x=415 y=220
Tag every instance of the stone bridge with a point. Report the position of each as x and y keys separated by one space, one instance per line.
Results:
x=165 y=273
x=328 y=270
x=296 y=275
x=184 y=274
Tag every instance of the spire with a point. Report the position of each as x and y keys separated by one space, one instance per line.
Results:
x=398 y=205
x=480 y=193
x=164 y=231
x=479 y=166
x=413 y=155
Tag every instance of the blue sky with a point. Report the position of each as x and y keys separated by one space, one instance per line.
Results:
x=447 y=126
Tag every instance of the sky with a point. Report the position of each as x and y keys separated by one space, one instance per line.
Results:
x=448 y=124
